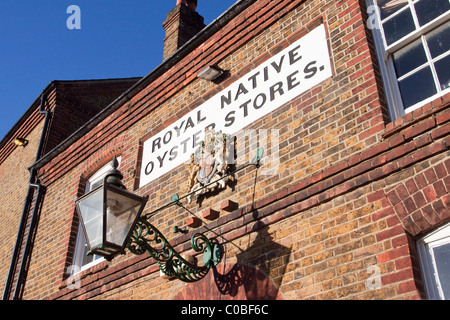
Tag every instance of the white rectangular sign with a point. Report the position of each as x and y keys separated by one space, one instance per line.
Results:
x=281 y=78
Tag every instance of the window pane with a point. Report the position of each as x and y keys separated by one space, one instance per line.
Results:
x=399 y=26
x=409 y=58
x=91 y=209
x=388 y=7
x=442 y=259
x=94 y=185
x=87 y=259
x=84 y=257
x=417 y=87
x=427 y=10
x=439 y=40
x=443 y=72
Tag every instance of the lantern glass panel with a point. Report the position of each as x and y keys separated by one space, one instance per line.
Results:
x=122 y=210
x=91 y=209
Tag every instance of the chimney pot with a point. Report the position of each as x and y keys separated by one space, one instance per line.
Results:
x=189 y=3
x=192 y=4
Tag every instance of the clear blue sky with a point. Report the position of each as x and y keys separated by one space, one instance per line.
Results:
x=117 y=39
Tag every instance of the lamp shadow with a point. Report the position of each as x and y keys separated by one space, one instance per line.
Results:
x=256 y=274
x=258 y=271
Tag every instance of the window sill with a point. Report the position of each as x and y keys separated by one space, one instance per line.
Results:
x=417 y=115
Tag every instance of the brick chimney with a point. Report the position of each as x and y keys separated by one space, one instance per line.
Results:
x=182 y=23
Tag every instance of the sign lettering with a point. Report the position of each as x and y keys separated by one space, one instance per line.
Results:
x=281 y=78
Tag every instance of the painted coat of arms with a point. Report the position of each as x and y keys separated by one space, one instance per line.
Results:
x=211 y=164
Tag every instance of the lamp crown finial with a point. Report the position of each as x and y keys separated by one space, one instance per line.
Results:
x=114 y=176
x=114 y=163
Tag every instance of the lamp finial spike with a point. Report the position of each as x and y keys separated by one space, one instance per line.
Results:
x=114 y=176
x=115 y=163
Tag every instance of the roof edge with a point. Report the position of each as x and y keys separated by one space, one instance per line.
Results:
x=28 y=112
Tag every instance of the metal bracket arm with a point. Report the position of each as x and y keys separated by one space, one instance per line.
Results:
x=171 y=262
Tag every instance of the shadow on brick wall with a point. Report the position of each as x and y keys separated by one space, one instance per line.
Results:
x=258 y=271
x=256 y=274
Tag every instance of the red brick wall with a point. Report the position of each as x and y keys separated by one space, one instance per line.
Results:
x=325 y=225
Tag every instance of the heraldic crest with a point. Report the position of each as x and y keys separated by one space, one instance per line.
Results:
x=211 y=164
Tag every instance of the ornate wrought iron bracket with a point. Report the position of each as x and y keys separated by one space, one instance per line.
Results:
x=170 y=262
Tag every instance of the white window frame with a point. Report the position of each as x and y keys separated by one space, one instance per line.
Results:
x=428 y=266
x=385 y=57
x=94 y=181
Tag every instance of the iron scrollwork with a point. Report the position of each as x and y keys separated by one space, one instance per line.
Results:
x=170 y=262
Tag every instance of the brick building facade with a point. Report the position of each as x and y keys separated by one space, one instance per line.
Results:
x=351 y=194
x=61 y=109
